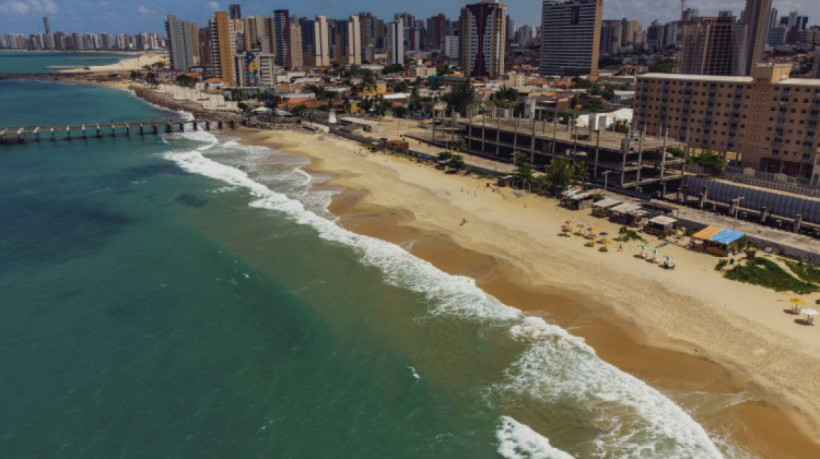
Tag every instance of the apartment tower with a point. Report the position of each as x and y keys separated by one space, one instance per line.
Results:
x=484 y=38
x=281 y=20
x=223 y=47
x=757 y=21
x=395 y=41
x=354 y=41
x=321 y=42
x=571 y=37
x=714 y=46
x=182 y=44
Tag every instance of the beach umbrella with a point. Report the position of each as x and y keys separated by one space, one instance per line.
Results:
x=642 y=247
x=809 y=313
x=667 y=258
x=796 y=303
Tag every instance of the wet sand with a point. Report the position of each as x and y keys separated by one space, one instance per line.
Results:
x=755 y=416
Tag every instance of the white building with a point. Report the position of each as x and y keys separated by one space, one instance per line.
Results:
x=395 y=41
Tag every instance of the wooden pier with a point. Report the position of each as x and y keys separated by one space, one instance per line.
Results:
x=26 y=134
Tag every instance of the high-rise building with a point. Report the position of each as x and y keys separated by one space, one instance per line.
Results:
x=611 y=37
x=235 y=12
x=222 y=47
x=354 y=41
x=714 y=46
x=395 y=41
x=46 y=25
x=321 y=42
x=295 y=52
x=756 y=17
x=436 y=30
x=281 y=20
x=484 y=38
x=571 y=37
x=182 y=44
x=768 y=118
x=451 y=46
x=815 y=70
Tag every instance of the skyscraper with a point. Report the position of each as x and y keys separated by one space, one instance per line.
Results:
x=223 y=47
x=395 y=41
x=484 y=38
x=321 y=42
x=46 y=25
x=714 y=46
x=571 y=37
x=756 y=17
x=235 y=11
x=308 y=27
x=182 y=45
x=354 y=41
x=295 y=52
x=281 y=20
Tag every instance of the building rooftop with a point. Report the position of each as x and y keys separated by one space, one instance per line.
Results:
x=728 y=79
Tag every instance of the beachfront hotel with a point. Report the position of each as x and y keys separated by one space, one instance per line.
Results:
x=768 y=118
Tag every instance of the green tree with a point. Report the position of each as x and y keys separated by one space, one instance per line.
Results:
x=186 y=81
x=561 y=174
x=594 y=105
x=664 y=66
x=393 y=68
x=460 y=97
x=711 y=161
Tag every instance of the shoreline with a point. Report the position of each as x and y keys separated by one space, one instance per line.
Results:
x=770 y=424
x=778 y=413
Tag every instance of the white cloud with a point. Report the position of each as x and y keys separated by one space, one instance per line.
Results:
x=213 y=5
x=28 y=6
x=142 y=9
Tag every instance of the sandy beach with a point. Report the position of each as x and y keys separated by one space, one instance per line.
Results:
x=684 y=331
x=137 y=62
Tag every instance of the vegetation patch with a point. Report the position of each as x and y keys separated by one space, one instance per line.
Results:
x=625 y=235
x=806 y=271
x=766 y=273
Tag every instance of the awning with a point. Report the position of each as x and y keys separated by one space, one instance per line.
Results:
x=582 y=196
x=727 y=237
x=662 y=221
x=606 y=203
x=625 y=208
x=707 y=233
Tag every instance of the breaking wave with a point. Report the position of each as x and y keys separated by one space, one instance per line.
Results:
x=632 y=418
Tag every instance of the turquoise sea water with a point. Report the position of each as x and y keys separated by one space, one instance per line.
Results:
x=36 y=62
x=186 y=296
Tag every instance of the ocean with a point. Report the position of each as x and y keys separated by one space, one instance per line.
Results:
x=38 y=62
x=189 y=296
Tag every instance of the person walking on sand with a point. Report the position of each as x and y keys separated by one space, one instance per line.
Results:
x=620 y=247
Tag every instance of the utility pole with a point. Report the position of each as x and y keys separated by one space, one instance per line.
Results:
x=737 y=209
x=606 y=178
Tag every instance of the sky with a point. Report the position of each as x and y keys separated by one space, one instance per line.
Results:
x=131 y=16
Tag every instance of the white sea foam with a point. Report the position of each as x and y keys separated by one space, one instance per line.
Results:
x=634 y=418
x=414 y=373
x=519 y=441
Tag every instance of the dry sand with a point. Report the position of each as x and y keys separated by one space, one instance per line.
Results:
x=127 y=64
x=683 y=331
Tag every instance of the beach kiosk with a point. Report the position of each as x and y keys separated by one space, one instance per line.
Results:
x=627 y=214
x=661 y=226
x=719 y=242
x=601 y=208
x=578 y=200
